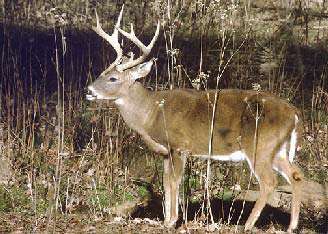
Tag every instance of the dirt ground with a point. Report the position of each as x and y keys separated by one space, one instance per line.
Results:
x=85 y=224
x=150 y=220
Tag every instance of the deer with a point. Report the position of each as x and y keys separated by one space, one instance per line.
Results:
x=253 y=126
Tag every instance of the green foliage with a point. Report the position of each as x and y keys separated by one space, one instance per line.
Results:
x=14 y=199
x=226 y=195
x=99 y=198
x=193 y=182
x=128 y=196
x=143 y=191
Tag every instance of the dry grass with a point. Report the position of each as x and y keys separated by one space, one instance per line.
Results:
x=68 y=156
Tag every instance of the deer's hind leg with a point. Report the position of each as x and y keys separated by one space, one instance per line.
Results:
x=267 y=180
x=294 y=176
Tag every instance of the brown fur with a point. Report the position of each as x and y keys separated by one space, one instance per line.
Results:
x=251 y=125
x=178 y=121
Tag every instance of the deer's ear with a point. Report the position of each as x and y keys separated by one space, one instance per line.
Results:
x=141 y=70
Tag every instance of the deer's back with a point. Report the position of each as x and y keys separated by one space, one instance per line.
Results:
x=185 y=116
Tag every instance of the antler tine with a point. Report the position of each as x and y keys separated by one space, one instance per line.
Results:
x=111 y=39
x=144 y=49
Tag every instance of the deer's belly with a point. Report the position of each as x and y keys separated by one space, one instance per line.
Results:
x=234 y=156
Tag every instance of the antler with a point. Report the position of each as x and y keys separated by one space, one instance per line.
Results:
x=111 y=39
x=144 y=49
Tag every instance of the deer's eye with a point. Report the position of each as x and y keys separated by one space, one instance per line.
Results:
x=112 y=79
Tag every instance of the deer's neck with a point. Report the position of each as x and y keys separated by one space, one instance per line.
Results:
x=136 y=106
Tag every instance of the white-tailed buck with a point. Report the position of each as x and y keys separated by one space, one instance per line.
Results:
x=249 y=125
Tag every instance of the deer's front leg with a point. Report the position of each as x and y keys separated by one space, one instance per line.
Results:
x=173 y=172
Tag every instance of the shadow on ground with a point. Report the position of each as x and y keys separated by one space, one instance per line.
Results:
x=221 y=210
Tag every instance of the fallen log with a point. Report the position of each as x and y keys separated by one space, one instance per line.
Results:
x=314 y=198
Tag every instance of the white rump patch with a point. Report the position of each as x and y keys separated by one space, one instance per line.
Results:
x=293 y=142
x=296 y=119
x=282 y=154
x=234 y=157
x=282 y=173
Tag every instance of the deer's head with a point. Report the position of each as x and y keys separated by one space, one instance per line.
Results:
x=118 y=77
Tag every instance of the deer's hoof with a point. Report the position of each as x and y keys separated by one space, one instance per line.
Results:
x=170 y=223
x=248 y=228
